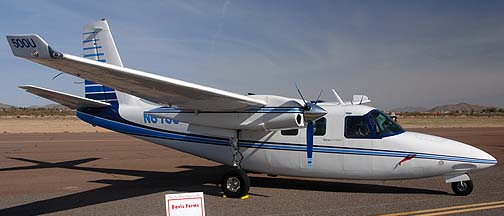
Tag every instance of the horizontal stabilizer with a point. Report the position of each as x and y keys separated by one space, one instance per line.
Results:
x=68 y=100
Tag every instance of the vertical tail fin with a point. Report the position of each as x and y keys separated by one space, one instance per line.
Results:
x=98 y=44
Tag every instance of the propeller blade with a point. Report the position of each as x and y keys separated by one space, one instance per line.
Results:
x=299 y=91
x=309 y=143
x=318 y=98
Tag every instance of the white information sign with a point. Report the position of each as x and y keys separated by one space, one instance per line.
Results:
x=185 y=204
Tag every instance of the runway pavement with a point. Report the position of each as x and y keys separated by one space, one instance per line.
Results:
x=113 y=174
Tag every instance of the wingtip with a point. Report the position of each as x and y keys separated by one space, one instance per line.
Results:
x=26 y=87
x=28 y=46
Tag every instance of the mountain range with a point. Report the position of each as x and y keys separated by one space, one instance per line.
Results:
x=460 y=107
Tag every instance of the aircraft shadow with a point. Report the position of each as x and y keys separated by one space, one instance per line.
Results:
x=195 y=178
x=316 y=185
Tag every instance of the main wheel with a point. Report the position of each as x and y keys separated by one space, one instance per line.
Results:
x=462 y=188
x=235 y=184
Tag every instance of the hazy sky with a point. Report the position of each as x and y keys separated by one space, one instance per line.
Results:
x=399 y=53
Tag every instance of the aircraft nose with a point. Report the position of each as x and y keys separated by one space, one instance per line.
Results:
x=464 y=156
x=485 y=157
x=479 y=158
x=473 y=158
x=457 y=156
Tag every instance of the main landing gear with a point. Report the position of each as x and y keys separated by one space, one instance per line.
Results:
x=236 y=183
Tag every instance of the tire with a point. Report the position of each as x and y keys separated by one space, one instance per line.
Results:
x=235 y=184
x=462 y=188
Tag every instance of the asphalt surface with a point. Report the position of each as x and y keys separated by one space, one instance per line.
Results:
x=113 y=174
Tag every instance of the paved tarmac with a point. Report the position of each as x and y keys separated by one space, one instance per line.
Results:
x=113 y=174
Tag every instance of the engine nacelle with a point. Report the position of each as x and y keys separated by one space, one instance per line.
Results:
x=283 y=121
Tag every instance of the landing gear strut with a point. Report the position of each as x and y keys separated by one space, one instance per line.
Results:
x=236 y=183
x=237 y=155
x=462 y=188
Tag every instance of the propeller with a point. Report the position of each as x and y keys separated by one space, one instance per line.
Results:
x=311 y=112
x=309 y=143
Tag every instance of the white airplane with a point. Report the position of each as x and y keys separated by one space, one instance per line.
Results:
x=258 y=133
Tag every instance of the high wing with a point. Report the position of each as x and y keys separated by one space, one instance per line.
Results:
x=68 y=100
x=152 y=87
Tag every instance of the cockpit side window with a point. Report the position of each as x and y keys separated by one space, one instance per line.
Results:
x=356 y=127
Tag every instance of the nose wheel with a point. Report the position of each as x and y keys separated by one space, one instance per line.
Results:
x=462 y=188
x=235 y=184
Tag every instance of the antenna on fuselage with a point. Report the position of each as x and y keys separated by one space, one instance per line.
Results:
x=338 y=98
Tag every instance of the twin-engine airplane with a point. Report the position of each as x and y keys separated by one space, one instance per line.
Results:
x=257 y=133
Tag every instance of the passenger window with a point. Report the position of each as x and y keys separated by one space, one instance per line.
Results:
x=356 y=127
x=292 y=132
x=320 y=127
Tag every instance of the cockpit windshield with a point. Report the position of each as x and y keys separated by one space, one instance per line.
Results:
x=373 y=125
x=382 y=124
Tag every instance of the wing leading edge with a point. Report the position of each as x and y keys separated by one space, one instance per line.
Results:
x=152 y=87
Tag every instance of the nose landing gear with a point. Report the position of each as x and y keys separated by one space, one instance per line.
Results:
x=462 y=188
x=461 y=184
